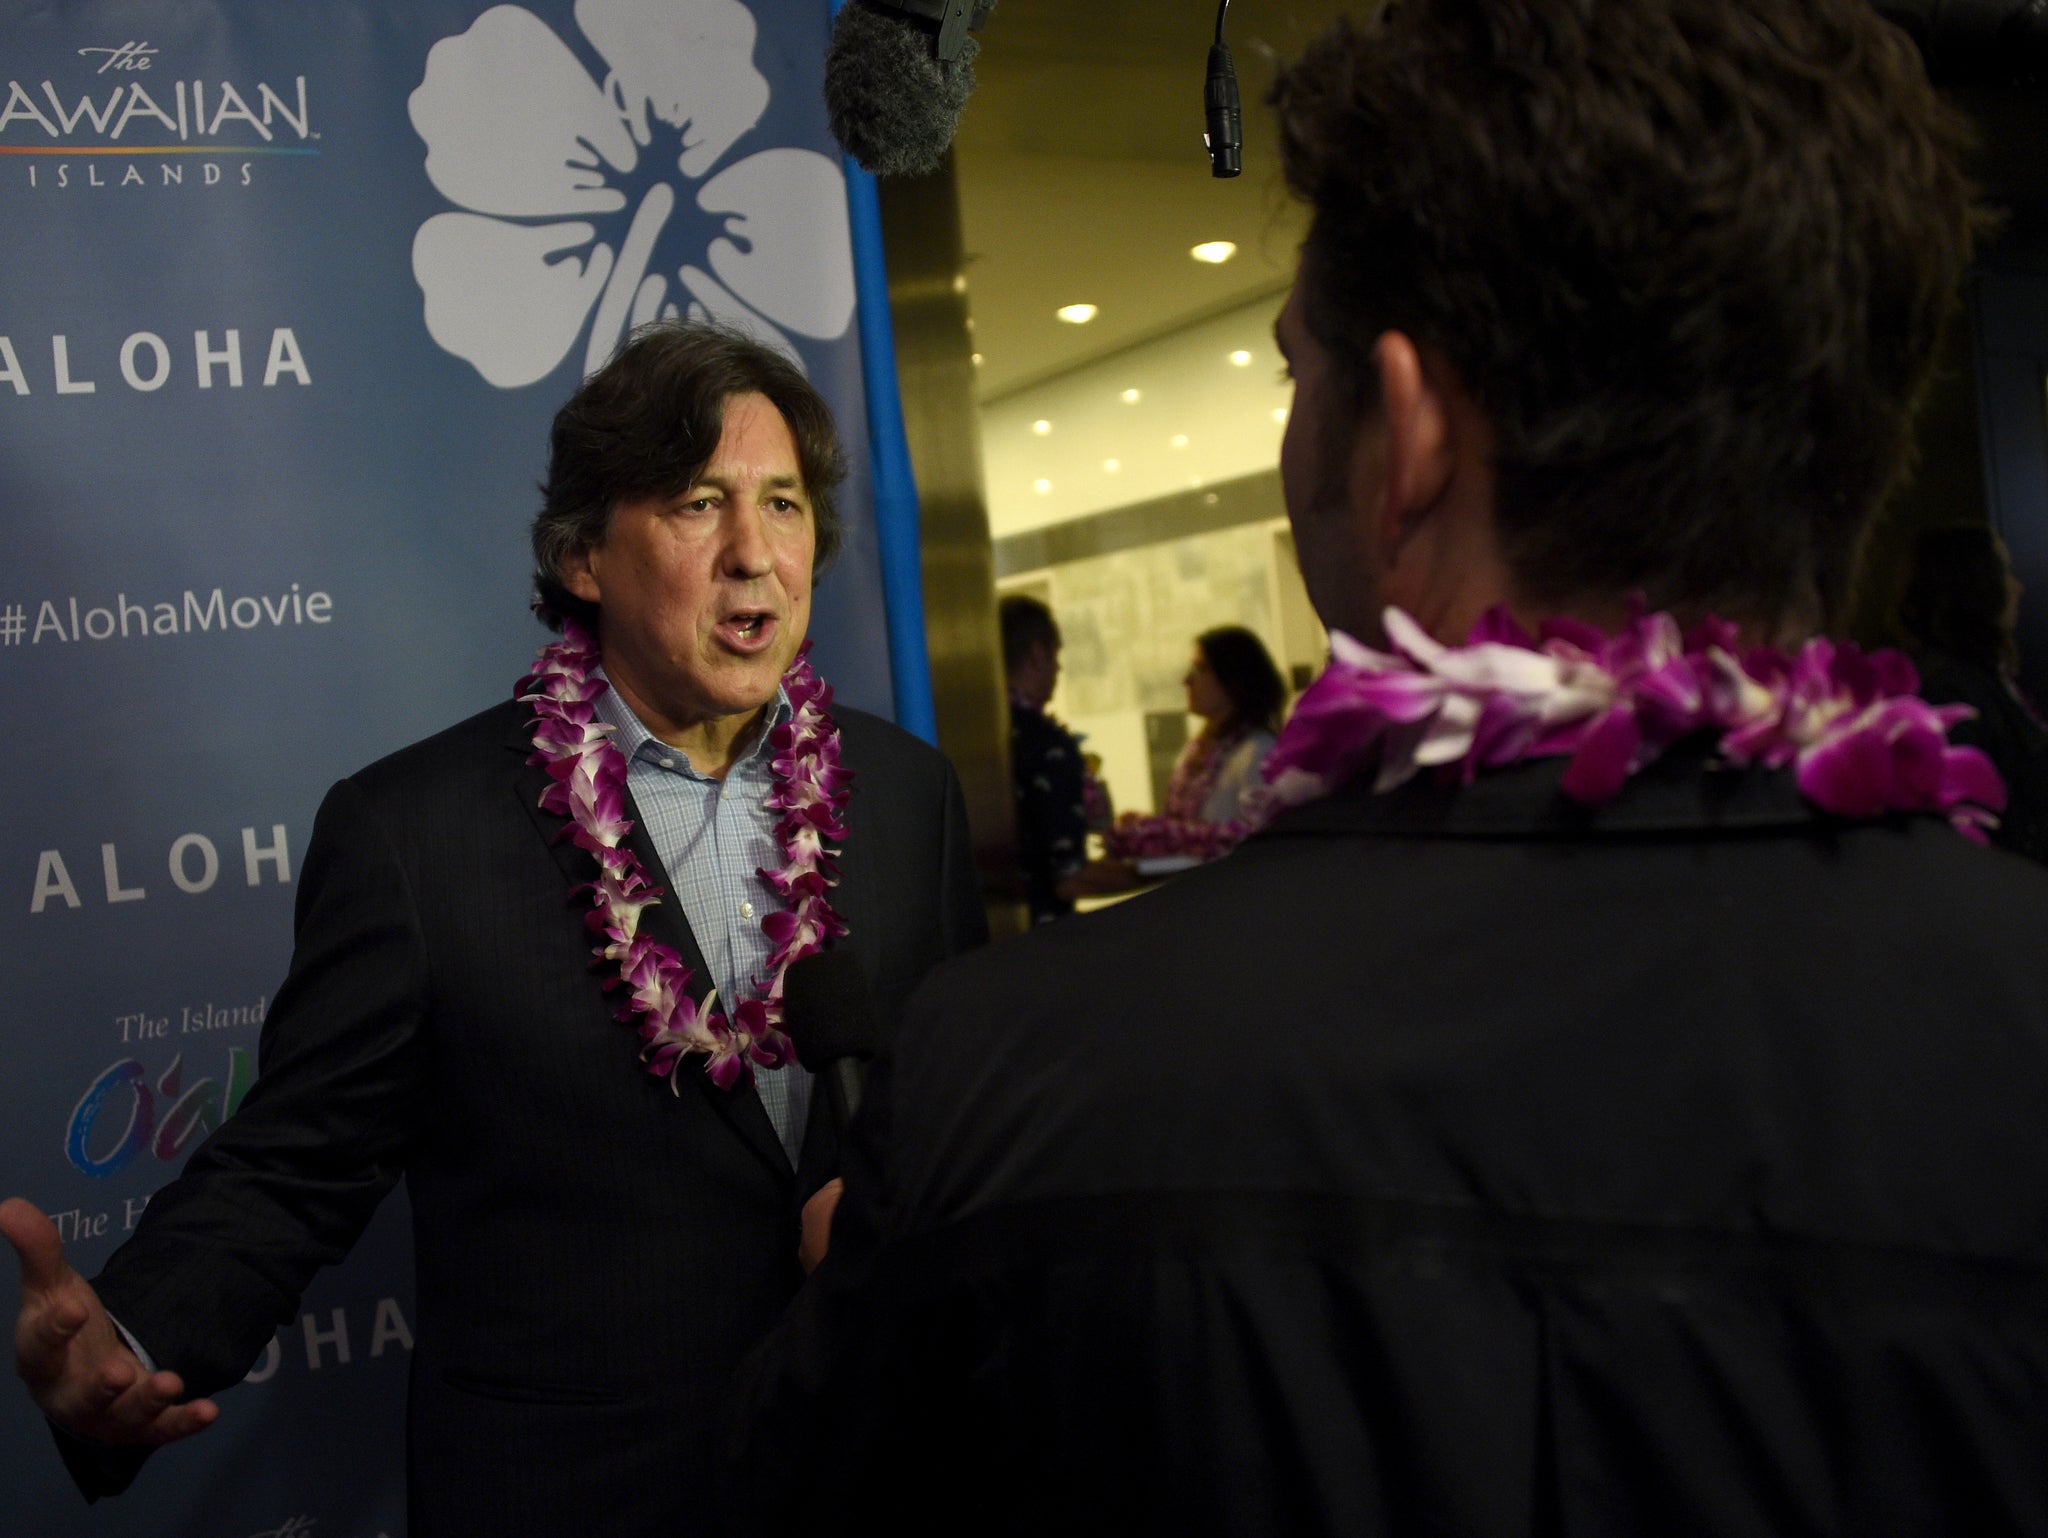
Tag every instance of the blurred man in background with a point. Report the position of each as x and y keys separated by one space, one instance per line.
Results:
x=1057 y=799
x=1613 y=1105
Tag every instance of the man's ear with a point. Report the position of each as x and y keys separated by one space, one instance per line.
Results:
x=1416 y=446
x=577 y=574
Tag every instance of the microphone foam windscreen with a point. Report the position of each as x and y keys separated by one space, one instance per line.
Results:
x=828 y=1009
x=892 y=104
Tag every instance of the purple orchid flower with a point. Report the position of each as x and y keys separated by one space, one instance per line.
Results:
x=1860 y=742
x=587 y=788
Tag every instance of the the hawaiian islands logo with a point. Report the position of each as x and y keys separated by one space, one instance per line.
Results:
x=141 y=117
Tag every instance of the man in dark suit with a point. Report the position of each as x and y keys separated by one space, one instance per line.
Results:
x=1469 y=1158
x=596 y=1245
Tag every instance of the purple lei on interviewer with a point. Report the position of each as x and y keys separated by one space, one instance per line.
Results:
x=588 y=786
x=1848 y=723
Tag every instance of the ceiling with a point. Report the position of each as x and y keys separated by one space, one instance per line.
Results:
x=1203 y=405
x=1083 y=178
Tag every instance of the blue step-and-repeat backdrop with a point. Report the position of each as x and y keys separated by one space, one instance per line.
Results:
x=288 y=297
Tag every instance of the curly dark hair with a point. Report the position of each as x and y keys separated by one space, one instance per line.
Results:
x=646 y=425
x=1691 y=257
x=1245 y=671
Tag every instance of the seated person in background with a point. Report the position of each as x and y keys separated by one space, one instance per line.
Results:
x=1048 y=776
x=1962 y=607
x=1095 y=797
x=1234 y=687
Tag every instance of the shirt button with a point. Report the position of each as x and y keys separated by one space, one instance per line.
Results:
x=746 y=910
x=721 y=795
x=668 y=763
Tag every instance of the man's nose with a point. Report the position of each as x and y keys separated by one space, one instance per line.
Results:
x=747 y=552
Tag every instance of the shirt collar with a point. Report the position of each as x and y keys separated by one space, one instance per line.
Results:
x=1683 y=791
x=637 y=743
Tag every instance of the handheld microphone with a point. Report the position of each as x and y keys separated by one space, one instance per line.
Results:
x=897 y=75
x=828 y=1012
x=1221 y=112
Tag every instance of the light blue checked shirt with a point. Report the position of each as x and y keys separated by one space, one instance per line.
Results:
x=713 y=836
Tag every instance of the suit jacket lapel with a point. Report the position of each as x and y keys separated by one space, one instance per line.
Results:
x=740 y=1108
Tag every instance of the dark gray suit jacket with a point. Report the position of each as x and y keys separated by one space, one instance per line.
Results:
x=594 y=1251
x=1457 y=1163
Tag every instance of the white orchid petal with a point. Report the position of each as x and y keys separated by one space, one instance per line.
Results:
x=688 y=62
x=1492 y=666
x=1409 y=637
x=715 y=302
x=1398 y=748
x=1348 y=651
x=1572 y=703
x=475 y=272
x=513 y=123
x=791 y=255
x=1447 y=736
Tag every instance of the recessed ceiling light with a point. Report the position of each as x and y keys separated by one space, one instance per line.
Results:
x=1112 y=465
x=976 y=359
x=959 y=282
x=1132 y=397
x=1041 y=427
x=1241 y=358
x=1279 y=413
x=1076 y=314
x=1043 y=488
x=1179 y=440
x=1214 y=251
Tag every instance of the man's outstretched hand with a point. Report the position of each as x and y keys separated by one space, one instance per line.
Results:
x=67 y=1350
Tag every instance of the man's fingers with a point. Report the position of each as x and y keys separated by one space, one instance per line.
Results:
x=180 y=1421
x=129 y=1406
x=149 y=1412
x=35 y=1240
x=55 y=1323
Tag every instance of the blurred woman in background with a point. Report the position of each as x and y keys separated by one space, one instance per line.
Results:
x=1234 y=687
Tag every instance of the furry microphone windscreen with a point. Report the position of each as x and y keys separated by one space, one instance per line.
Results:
x=892 y=105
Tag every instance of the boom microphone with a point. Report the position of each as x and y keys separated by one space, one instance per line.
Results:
x=896 y=77
x=829 y=1013
x=1222 y=115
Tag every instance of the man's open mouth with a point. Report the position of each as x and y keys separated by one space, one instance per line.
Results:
x=748 y=629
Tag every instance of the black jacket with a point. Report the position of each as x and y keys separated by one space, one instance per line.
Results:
x=1461 y=1163
x=1047 y=781
x=594 y=1252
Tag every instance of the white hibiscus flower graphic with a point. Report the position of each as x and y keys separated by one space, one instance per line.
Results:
x=544 y=161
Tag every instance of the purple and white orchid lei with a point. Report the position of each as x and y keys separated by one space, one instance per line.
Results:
x=588 y=787
x=1859 y=741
